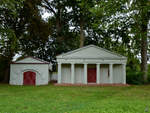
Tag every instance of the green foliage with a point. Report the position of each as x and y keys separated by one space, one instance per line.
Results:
x=8 y=16
x=141 y=18
x=149 y=73
x=134 y=77
x=134 y=74
x=11 y=5
x=9 y=44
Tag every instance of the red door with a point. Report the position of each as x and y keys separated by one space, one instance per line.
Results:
x=91 y=75
x=29 y=78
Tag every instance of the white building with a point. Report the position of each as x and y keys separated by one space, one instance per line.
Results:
x=91 y=64
x=29 y=71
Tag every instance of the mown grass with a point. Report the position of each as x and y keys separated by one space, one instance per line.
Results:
x=58 y=99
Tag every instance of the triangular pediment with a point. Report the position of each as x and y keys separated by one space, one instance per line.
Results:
x=92 y=52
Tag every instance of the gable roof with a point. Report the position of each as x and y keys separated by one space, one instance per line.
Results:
x=91 y=52
x=30 y=60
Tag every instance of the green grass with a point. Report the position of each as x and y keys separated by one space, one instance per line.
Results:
x=58 y=99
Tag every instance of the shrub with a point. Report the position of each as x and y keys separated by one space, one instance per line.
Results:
x=134 y=77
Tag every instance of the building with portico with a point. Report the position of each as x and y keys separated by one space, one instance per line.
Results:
x=91 y=64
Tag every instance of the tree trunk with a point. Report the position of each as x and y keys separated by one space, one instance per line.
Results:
x=82 y=38
x=6 y=70
x=7 y=75
x=8 y=61
x=144 y=48
x=144 y=34
x=59 y=26
x=144 y=58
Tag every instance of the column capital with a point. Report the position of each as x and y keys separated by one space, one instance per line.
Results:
x=72 y=63
x=85 y=63
x=111 y=63
x=98 y=63
x=59 y=63
x=123 y=63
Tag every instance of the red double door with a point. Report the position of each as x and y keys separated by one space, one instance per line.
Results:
x=29 y=78
x=91 y=75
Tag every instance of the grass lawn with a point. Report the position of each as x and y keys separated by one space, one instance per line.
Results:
x=59 y=99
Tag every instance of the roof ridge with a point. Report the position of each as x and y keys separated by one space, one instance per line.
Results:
x=41 y=60
x=75 y=50
x=91 y=45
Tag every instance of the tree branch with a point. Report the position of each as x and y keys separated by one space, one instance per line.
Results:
x=48 y=6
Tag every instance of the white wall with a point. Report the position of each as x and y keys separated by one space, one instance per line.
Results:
x=117 y=73
x=53 y=76
x=79 y=73
x=66 y=73
x=104 y=71
x=17 y=70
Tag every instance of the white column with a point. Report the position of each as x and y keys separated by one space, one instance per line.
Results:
x=85 y=73
x=98 y=73
x=59 y=73
x=111 y=73
x=72 y=73
x=124 y=73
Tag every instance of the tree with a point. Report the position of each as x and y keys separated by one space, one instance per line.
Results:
x=36 y=31
x=82 y=17
x=141 y=17
x=8 y=37
x=110 y=27
x=59 y=22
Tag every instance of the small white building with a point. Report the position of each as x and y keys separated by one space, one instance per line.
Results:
x=29 y=71
x=91 y=64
